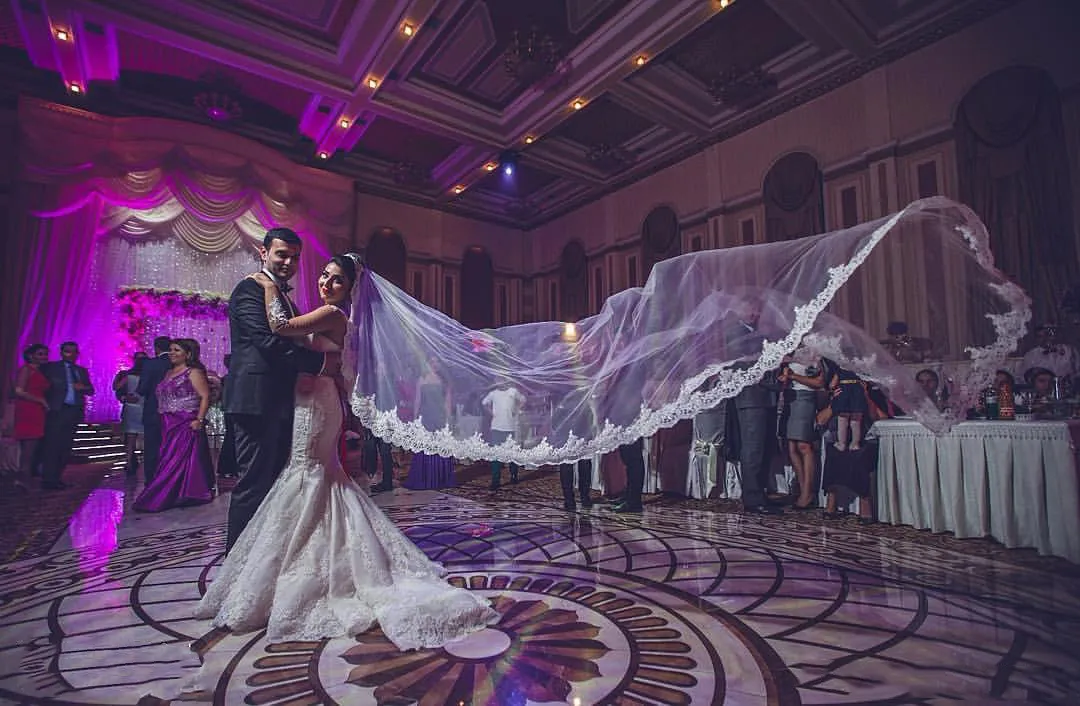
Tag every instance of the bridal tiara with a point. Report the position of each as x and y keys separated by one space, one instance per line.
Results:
x=357 y=259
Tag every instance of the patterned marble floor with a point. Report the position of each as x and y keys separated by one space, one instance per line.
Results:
x=676 y=606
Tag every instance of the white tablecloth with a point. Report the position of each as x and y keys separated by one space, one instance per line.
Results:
x=1013 y=481
x=703 y=475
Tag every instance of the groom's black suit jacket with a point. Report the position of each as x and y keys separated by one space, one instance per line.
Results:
x=263 y=367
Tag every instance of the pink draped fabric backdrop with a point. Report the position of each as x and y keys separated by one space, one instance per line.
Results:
x=154 y=214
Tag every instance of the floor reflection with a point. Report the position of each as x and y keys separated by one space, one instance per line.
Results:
x=676 y=606
x=93 y=528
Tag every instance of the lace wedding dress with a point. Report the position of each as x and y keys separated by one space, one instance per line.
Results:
x=321 y=560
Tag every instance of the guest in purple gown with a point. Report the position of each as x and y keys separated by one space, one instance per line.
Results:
x=185 y=470
x=426 y=471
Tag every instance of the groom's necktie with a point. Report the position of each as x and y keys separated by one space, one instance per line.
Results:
x=69 y=371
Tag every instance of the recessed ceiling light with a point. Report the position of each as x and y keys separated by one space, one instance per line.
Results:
x=578 y=104
x=372 y=83
x=529 y=139
x=725 y=3
x=640 y=61
x=408 y=30
x=324 y=155
x=344 y=122
x=458 y=189
x=491 y=166
x=75 y=88
x=63 y=35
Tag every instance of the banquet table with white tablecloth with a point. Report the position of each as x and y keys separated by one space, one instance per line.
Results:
x=1010 y=480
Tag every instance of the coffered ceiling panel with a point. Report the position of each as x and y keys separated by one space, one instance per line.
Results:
x=468 y=38
x=320 y=18
x=470 y=55
x=524 y=182
x=876 y=17
x=412 y=98
x=602 y=122
x=743 y=37
x=149 y=59
x=10 y=35
x=397 y=142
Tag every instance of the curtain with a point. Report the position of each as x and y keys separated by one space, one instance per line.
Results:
x=1014 y=173
x=187 y=200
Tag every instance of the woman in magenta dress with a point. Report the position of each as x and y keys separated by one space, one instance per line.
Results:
x=185 y=471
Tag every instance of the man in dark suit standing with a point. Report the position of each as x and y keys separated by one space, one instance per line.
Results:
x=631 y=380
x=755 y=412
x=755 y=409
x=374 y=450
x=153 y=372
x=259 y=389
x=69 y=386
x=227 y=456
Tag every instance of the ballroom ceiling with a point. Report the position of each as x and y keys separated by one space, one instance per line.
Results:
x=424 y=100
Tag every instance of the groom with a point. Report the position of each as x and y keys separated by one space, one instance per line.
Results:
x=260 y=385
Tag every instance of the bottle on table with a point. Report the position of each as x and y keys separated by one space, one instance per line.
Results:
x=992 y=409
x=1006 y=401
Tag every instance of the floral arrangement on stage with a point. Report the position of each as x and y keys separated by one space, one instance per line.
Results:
x=138 y=306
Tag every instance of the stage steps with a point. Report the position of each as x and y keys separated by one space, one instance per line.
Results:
x=98 y=443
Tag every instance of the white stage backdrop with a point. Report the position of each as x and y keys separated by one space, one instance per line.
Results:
x=170 y=263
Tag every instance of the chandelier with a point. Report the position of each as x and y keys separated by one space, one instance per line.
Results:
x=219 y=99
x=522 y=209
x=737 y=86
x=531 y=56
x=608 y=157
x=410 y=174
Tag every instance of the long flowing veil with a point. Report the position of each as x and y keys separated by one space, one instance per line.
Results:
x=704 y=326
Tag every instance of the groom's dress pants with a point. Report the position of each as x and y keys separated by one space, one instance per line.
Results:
x=262 y=450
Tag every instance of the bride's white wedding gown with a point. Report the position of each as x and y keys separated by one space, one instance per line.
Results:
x=320 y=559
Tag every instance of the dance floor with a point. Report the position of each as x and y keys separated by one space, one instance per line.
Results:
x=682 y=604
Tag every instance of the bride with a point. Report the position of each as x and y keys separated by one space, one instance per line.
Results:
x=320 y=559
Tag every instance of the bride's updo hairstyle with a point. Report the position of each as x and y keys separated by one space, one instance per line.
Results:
x=350 y=264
